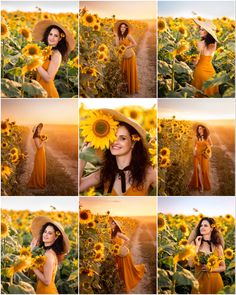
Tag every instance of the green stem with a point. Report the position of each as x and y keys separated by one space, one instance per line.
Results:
x=173 y=75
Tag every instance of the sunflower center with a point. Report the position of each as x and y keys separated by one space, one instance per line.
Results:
x=89 y=19
x=101 y=128
x=32 y=51
x=161 y=222
x=84 y=216
x=4 y=126
x=133 y=114
x=161 y=25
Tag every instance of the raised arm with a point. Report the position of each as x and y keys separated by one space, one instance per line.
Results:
x=52 y=69
x=38 y=143
x=133 y=42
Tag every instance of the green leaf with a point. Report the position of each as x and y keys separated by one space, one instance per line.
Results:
x=10 y=88
x=89 y=155
x=185 y=278
x=34 y=89
x=163 y=279
x=15 y=71
x=217 y=79
x=230 y=92
x=21 y=288
x=163 y=68
x=182 y=68
x=73 y=276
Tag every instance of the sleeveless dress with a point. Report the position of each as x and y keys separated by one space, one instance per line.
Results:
x=209 y=282
x=204 y=71
x=204 y=165
x=129 y=273
x=48 y=86
x=131 y=191
x=38 y=176
x=41 y=288
x=129 y=69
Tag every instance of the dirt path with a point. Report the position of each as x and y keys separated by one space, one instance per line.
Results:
x=146 y=66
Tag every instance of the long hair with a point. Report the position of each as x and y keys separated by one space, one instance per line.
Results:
x=206 y=132
x=138 y=164
x=115 y=231
x=123 y=36
x=216 y=237
x=208 y=39
x=62 y=44
x=36 y=132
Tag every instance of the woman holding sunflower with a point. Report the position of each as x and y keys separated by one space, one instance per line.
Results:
x=62 y=42
x=122 y=30
x=51 y=236
x=202 y=153
x=204 y=69
x=126 y=169
x=129 y=273
x=38 y=176
x=209 y=260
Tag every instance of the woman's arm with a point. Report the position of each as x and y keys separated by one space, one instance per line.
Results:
x=38 y=142
x=123 y=237
x=88 y=181
x=195 y=147
x=133 y=42
x=210 y=141
x=46 y=276
x=151 y=177
x=52 y=69
x=222 y=266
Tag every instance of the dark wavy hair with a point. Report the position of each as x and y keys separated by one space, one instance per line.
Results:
x=206 y=132
x=62 y=45
x=208 y=39
x=216 y=237
x=138 y=165
x=58 y=245
x=36 y=132
x=123 y=36
x=115 y=231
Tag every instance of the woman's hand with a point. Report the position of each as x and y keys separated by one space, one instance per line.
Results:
x=205 y=268
x=198 y=241
x=34 y=243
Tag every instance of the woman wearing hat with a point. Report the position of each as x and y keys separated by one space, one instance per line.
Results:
x=207 y=46
x=208 y=240
x=62 y=42
x=51 y=236
x=38 y=176
x=202 y=152
x=126 y=168
x=129 y=273
x=128 y=66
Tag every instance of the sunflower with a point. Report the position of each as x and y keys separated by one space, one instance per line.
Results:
x=46 y=52
x=183 y=242
x=229 y=218
x=31 y=50
x=159 y=128
x=184 y=228
x=15 y=158
x=165 y=152
x=101 y=56
x=4 y=229
x=4 y=31
x=213 y=262
x=75 y=62
x=89 y=20
x=14 y=151
x=26 y=34
x=91 y=71
x=103 y=48
x=32 y=66
x=25 y=251
x=161 y=222
x=229 y=253
x=162 y=26
x=90 y=192
x=98 y=247
x=196 y=260
x=165 y=162
x=184 y=253
x=6 y=171
x=22 y=264
x=4 y=145
x=91 y=224
x=99 y=129
x=98 y=256
x=39 y=261
x=183 y=30
x=5 y=126
x=149 y=119
x=85 y=216
x=177 y=136
x=96 y=27
x=133 y=112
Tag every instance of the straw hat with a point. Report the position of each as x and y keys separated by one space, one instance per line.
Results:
x=117 y=116
x=119 y=22
x=35 y=127
x=118 y=223
x=40 y=221
x=41 y=27
x=208 y=26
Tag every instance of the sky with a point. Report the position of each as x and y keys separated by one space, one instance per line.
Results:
x=46 y=6
x=47 y=111
x=208 y=206
x=197 y=109
x=206 y=9
x=122 y=9
x=40 y=203
x=121 y=206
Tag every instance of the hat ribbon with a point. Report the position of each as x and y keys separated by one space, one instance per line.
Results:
x=121 y=173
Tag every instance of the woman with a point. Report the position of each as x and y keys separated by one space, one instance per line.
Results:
x=51 y=236
x=129 y=273
x=202 y=152
x=208 y=240
x=38 y=176
x=126 y=168
x=204 y=69
x=129 y=67
x=62 y=42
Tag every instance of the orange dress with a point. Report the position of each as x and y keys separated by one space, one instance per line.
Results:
x=131 y=191
x=48 y=86
x=199 y=159
x=129 y=69
x=129 y=273
x=209 y=282
x=204 y=71
x=38 y=176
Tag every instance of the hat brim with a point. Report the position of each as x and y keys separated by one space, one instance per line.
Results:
x=37 y=224
x=203 y=25
x=116 y=222
x=41 y=27
x=118 y=23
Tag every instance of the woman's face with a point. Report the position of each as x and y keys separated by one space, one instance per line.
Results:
x=113 y=225
x=202 y=32
x=53 y=37
x=123 y=144
x=205 y=228
x=123 y=28
x=200 y=130
x=49 y=235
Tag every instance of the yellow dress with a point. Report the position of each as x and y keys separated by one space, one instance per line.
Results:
x=199 y=159
x=209 y=282
x=204 y=71
x=131 y=191
x=48 y=86
x=129 y=273
x=129 y=69
x=38 y=176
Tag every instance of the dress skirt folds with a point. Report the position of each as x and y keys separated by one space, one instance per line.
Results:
x=204 y=71
x=41 y=288
x=38 y=176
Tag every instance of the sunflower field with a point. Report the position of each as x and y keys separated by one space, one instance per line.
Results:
x=97 y=266
x=12 y=156
x=20 y=56
x=177 y=56
x=100 y=68
x=174 y=274
x=17 y=259
x=99 y=130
